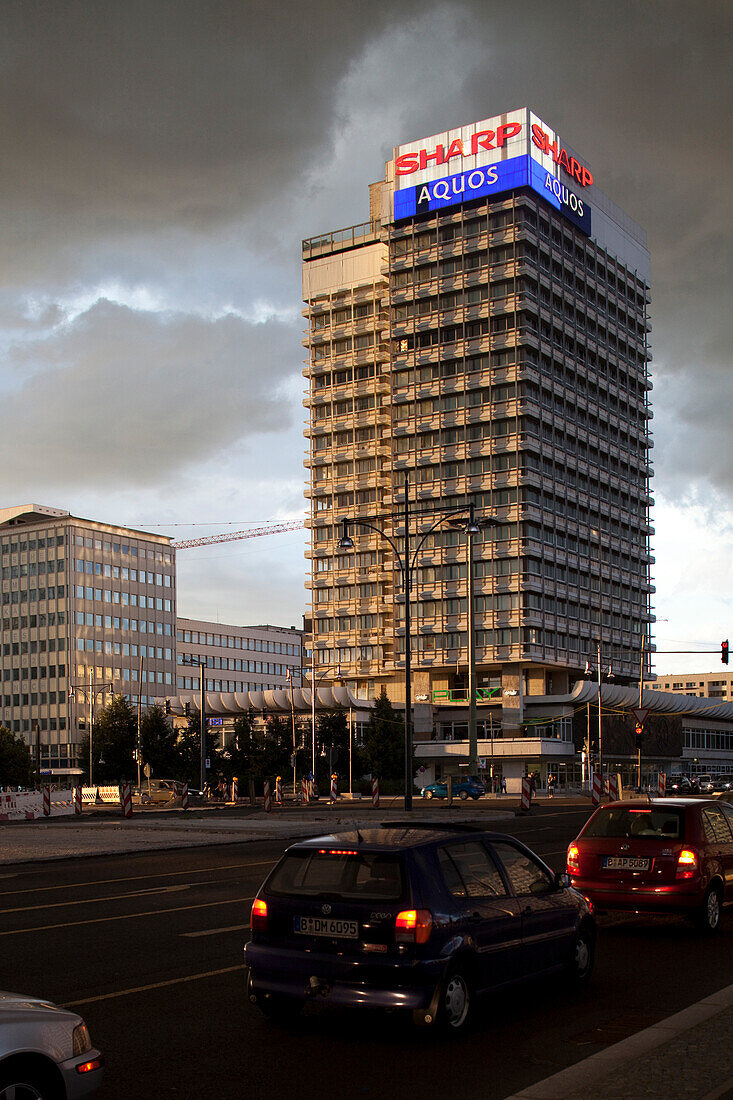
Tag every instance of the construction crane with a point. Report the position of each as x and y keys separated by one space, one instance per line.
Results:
x=232 y=536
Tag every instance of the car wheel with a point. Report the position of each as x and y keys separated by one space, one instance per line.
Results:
x=21 y=1083
x=463 y=795
x=708 y=917
x=427 y=794
x=456 y=1002
x=581 y=966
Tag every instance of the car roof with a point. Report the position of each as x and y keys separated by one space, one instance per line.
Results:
x=396 y=836
x=659 y=803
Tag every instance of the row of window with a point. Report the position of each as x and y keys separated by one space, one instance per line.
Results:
x=34 y=672
x=229 y=641
x=124 y=548
x=716 y=740
x=33 y=595
x=231 y=664
x=116 y=572
x=142 y=625
x=33 y=569
x=30 y=545
x=192 y=683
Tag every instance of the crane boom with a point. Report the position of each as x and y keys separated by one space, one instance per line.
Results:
x=232 y=536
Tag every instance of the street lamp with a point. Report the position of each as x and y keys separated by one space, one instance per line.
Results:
x=315 y=681
x=406 y=566
x=201 y=665
x=91 y=693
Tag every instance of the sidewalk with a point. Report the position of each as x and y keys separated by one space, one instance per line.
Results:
x=687 y=1055
x=108 y=833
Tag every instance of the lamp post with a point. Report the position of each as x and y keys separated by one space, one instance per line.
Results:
x=315 y=681
x=406 y=565
x=201 y=665
x=91 y=692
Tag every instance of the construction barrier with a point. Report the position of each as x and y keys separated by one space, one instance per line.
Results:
x=613 y=788
x=596 y=789
x=268 y=800
x=77 y=800
x=304 y=791
x=126 y=799
x=88 y=796
x=334 y=787
x=235 y=789
x=184 y=796
x=661 y=784
x=46 y=801
x=108 y=793
x=279 y=791
x=375 y=792
x=526 y=795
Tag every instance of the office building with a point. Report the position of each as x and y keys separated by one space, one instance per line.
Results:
x=484 y=334
x=88 y=611
x=237 y=658
x=704 y=685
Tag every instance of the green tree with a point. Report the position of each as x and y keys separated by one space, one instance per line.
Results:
x=16 y=768
x=277 y=747
x=383 y=750
x=244 y=756
x=113 y=745
x=159 y=743
x=332 y=747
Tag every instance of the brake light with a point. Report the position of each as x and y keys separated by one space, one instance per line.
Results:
x=413 y=926
x=337 y=852
x=687 y=863
x=573 y=860
x=87 y=1067
x=258 y=919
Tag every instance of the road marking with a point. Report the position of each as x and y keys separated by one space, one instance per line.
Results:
x=153 y=985
x=95 y=901
x=134 y=878
x=214 y=931
x=125 y=916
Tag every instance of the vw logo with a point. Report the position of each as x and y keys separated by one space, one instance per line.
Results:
x=625 y=847
x=325 y=909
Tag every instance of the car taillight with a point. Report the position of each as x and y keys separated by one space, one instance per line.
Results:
x=573 y=860
x=413 y=926
x=258 y=919
x=687 y=864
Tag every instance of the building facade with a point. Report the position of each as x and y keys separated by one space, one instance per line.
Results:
x=483 y=338
x=88 y=610
x=237 y=658
x=704 y=685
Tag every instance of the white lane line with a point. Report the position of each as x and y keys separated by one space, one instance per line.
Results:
x=96 y=901
x=126 y=916
x=213 y=931
x=135 y=878
x=153 y=985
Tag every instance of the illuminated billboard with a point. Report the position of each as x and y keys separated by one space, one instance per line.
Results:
x=487 y=158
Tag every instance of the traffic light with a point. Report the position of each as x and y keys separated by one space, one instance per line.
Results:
x=167 y=708
x=724 y=652
x=639 y=734
x=187 y=709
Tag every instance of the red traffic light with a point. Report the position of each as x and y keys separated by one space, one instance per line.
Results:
x=724 y=652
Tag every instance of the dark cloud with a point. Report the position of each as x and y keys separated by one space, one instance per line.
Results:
x=120 y=398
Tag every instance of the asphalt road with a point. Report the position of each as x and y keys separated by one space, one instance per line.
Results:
x=149 y=949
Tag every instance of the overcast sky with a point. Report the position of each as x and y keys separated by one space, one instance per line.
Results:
x=162 y=162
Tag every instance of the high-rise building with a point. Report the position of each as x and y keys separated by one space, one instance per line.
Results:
x=88 y=610
x=484 y=334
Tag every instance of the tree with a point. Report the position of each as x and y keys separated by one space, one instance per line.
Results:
x=383 y=750
x=113 y=745
x=332 y=746
x=277 y=747
x=244 y=756
x=158 y=741
x=16 y=768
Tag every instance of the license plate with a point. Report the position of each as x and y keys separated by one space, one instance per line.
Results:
x=625 y=863
x=327 y=926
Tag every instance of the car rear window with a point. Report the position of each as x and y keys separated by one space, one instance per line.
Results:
x=339 y=873
x=649 y=823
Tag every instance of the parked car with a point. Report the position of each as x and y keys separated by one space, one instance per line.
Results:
x=470 y=787
x=705 y=783
x=662 y=856
x=724 y=783
x=680 y=785
x=155 y=792
x=414 y=916
x=45 y=1051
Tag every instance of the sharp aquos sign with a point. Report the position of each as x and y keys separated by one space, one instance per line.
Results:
x=499 y=154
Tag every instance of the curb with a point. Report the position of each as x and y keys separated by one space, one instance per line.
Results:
x=598 y=1066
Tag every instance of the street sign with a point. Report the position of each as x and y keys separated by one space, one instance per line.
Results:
x=148 y=771
x=640 y=714
x=208 y=761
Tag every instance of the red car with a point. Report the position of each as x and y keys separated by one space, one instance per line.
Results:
x=662 y=856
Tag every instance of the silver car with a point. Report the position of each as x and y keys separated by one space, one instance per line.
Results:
x=45 y=1052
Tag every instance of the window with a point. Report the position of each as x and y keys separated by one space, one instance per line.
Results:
x=525 y=874
x=469 y=871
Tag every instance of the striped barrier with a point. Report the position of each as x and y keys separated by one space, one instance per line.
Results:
x=46 y=801
x=126 y=799
x=613 y=788
x=235 y=789
x=596 y=789
x=334 y=787
x=279 y=791
x=268 y=800
x=304 y=792
x=526 y=795
x=77 y=800
x=184 y=796
x=375 y=792
x=88 y=796
x=661 y=784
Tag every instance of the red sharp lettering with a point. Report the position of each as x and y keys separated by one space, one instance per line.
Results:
x=455 y=149
x=484 y=138
x=587 y=179
x=406 y=163
x=507 y=130
x=437 y=156
x=575 y=169
x=539 y=137
x=563 y=160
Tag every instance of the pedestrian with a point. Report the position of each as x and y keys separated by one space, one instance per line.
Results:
x=532 y=784
x=503 y=785
x=550 y=785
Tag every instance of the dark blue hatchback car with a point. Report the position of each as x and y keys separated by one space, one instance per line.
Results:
x=414 y=916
